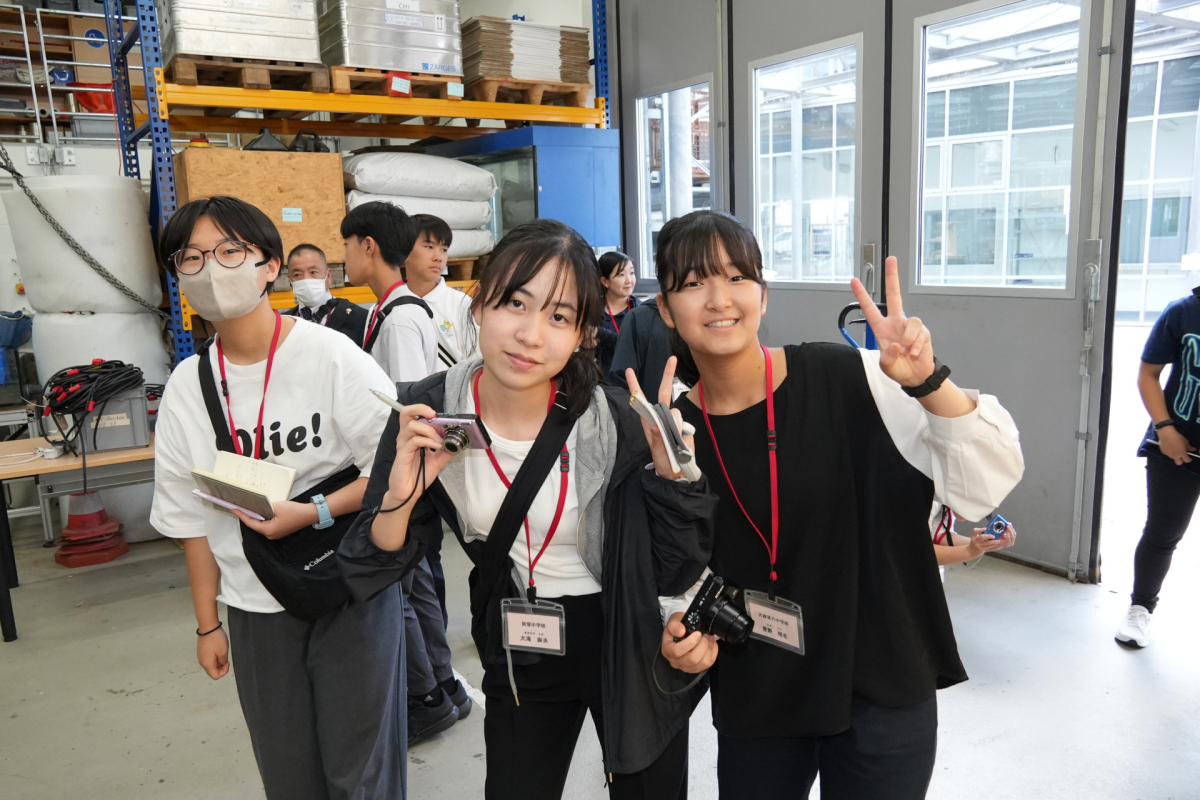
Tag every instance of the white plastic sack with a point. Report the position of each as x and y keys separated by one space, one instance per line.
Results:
x=106 y=214
x=468 y=244
x=417 y=175
x=465 y=214
x=67 y=340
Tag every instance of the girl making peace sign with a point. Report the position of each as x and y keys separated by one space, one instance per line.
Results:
x=826 y=461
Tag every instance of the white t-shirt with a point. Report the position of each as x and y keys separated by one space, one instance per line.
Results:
x=452 y=318
x=320 y=417
x=407 y=343
x=561 y=570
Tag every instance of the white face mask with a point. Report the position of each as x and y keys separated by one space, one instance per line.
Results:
x=311 y=292
x=218 y=293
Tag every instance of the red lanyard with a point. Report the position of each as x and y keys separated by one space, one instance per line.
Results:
x=379 y=307
x=628 y=305
x=258 y=432
x=564 y=461
x=773 y=546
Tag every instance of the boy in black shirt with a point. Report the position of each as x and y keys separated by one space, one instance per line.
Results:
x=1172 y=466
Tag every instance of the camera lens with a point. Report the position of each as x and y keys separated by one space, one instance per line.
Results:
x=727 y=621
x=998 y=528
x=455 y=440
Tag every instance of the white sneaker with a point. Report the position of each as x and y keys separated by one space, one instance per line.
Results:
x=1134 y=630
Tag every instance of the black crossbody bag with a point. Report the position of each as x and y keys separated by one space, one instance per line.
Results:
x=300 y=570
x=491 y=581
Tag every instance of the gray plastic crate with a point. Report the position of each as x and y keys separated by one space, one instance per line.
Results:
x=121 y=423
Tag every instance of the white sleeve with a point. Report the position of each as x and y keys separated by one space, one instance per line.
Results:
x=974 y=460
x=174 y=510
x=357 y=414
x=680 y=603
x=408 y=351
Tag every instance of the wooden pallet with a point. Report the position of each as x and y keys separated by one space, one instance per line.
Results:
x=464 y=269
x=247 y=73
x=359 y=80
x=534 y=93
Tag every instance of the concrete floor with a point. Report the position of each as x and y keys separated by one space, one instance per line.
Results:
x=101 y=696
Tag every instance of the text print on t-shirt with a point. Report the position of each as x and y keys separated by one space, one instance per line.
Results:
x=295 y=439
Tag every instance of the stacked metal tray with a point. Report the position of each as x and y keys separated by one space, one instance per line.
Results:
x=401 y=35
x=272 y=30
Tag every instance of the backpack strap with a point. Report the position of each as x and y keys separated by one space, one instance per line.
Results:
x=403 y=300
x=212 y=400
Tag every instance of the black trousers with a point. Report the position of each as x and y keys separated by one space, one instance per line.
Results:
x=530 y=746
x=1171 y=494
x=325 y=701
x=887 y=754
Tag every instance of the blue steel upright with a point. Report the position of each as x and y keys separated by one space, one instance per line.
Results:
x=600 y=48
x=162 y=188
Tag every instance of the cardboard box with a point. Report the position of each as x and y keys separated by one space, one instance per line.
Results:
x=95 y=51
x=301 y=192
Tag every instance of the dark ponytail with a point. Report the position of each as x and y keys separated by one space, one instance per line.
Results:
x=695 y=243
x=517 y=259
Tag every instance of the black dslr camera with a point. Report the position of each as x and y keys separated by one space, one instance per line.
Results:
x=716 y=610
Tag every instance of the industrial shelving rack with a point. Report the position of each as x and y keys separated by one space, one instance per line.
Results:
x=279 y=111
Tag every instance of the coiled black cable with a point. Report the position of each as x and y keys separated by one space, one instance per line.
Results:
x=74 y=392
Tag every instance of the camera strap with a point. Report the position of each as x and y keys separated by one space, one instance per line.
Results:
x=525 y=487
x=773 y=545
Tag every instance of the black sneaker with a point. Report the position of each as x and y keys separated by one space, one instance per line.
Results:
x=427 y=717
x=458 y=695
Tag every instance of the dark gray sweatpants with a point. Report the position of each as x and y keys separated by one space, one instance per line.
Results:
x=428 y=651
x=325 y=701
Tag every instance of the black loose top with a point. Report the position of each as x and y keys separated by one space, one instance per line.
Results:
x=854 y=553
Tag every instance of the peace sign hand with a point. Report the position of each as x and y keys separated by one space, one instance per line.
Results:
x=905 y=348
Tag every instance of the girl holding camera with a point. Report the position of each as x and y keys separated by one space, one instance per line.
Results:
x=826 y=461
x=605 y=528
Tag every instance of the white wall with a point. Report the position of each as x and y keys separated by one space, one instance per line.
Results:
x=544 y=12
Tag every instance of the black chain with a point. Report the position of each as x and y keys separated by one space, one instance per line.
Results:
x=6 y=163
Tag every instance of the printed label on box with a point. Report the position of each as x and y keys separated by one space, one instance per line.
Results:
x=404 y=5
x=407 y=20
x=114 y=421
x=454 y=89
x=293 y=215
x=401 y=85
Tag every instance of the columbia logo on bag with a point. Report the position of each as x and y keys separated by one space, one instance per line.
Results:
x=316 y=561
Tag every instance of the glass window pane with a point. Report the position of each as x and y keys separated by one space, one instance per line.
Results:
x=1040 y=159
x=1143 y=88
x=933 y=168
x=781 y=131
x=1175 y=151
x=805 y=217
x=764 y=133
x=1137 y=150
x=845 y=125
x=674 y=162
x=979 y=109
x=1169 y=217
x=935 y=115
x=1044 y=102
x=1037 y=238
x=818 y=176
x=1134 y=208
x=818 y=127
x=1181 y=86
x=977 y=164
x=1003 y=72
x=845 y=174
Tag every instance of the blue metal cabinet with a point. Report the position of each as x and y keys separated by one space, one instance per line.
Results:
x=575 y=177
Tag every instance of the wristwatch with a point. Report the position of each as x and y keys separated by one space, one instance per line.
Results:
x=324 y=518
x=932 y=383
x=1166 y=423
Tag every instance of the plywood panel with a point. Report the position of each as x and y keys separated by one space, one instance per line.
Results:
x=273 y=181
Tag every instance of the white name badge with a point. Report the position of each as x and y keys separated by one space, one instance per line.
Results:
x=778 y=622
x=534 y=627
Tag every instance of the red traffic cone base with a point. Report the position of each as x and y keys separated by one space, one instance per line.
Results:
x=91 y=535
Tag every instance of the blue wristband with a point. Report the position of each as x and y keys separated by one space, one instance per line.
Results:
x=324 y=519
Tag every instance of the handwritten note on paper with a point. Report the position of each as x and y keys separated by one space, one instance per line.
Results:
x=273 y=480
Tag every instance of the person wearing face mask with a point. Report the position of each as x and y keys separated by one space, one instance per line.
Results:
x=311 y=280
x=322 y=698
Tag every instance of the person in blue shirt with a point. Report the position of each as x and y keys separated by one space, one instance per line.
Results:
x=1172 y=463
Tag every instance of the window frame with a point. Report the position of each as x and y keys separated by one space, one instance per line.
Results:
x=646 y=282
x=857 y=41
x=1077 y=231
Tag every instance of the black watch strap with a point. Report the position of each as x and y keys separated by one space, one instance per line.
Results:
x=931 y=384
x=1166 y=423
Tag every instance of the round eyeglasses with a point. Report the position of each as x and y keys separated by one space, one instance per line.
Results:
x=229 y=253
